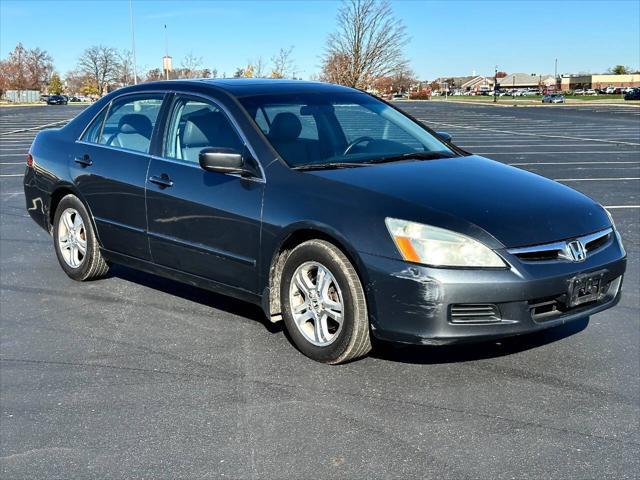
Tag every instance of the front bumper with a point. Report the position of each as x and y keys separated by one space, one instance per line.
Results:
x=413 y=304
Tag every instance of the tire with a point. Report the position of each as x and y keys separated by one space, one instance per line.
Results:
x=320 y=335
x=78 y=265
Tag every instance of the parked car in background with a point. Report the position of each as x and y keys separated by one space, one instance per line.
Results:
x=590 y=91
x=633 y=94
x=57 y=100
x=399 y=96
x=553 y=98
x=579 y=91
x=530 y=93
x=44 y=98
x=334 y=211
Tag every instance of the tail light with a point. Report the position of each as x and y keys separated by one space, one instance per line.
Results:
x=29 y=160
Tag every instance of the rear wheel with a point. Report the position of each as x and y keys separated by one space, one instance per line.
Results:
x=323 y=304
x=75 y=241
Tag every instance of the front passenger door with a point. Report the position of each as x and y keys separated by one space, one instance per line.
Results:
x=200 y=222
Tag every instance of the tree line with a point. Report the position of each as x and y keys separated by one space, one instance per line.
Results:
x=366 y=50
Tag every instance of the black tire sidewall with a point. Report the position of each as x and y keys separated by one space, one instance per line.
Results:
x=307 y=253
x=71 y=201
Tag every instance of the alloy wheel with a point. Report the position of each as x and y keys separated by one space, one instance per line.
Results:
x=316 y=303
x=72 y=237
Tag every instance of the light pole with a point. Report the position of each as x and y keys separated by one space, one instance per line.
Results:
x=133 y=43
x=495 y=85
x=555 y=77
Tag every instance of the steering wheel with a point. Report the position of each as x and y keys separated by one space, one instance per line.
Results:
x=357 y=141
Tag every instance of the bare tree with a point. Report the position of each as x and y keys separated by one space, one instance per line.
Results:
x=259 y=67
x=283 y=66
x=101 y=65
x=39 y=67
x=335 y=69
x=191 y=66
x=369 y=40
x=125 y=68
x=154 y=75
x=26 y=68
x=402 y=79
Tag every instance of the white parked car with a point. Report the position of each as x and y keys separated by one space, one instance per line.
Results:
x=590 y=91
x=579 y=91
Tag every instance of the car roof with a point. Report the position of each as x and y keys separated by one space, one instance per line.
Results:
x=241 y=87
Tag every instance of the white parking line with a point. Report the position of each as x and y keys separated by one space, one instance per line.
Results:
x=13 y=175
x=621 y=206
x=13 y=163
x=570 y=163
x=510 y=132
x=594 y=179
x=625 y=152
x=523 y=145
x=20 y=130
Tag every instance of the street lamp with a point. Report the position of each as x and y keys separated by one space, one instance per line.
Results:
x=495 y=85
x=133 y=44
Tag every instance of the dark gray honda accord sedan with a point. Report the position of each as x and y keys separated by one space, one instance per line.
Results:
x=337 y=213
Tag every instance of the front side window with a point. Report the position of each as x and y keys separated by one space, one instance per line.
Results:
x=350 y=129
x=197 y=124
x=130 y=122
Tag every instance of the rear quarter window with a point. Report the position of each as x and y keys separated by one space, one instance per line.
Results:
x=93 y=132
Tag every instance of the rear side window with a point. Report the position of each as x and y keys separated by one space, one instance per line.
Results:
x=130 y=122
x=92 y=134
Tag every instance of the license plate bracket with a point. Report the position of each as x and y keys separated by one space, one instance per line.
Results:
x=585 y=288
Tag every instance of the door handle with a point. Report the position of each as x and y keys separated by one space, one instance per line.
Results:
x=84 y=160
x=163 y=180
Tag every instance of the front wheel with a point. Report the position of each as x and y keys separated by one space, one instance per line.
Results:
x=323 y=304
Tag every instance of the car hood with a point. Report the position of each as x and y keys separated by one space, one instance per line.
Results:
x=516 y=207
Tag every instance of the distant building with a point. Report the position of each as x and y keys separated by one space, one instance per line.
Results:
x=22 y=96
x=453 y=83
x=526 y=80
x=478 y=84
x=573 y=82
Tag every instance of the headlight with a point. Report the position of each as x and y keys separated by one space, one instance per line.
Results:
x=438 y=247
x=613 y=224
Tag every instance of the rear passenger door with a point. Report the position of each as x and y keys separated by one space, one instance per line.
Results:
x=200 y=222
x=109 y=168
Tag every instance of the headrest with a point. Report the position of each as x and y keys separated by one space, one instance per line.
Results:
x=135 y=123
x=201 y=129
x=285 y=126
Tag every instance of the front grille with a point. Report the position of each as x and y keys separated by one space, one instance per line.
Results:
x=474 y=313
x=559 y=251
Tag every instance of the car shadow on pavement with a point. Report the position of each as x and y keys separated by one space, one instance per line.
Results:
x=420 y=354
x=196 y=294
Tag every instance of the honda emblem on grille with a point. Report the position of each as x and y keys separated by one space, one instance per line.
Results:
x=576 y=251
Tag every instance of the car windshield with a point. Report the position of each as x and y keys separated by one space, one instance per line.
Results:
x=336 y=130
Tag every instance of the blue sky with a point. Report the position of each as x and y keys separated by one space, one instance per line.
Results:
x=447 y=37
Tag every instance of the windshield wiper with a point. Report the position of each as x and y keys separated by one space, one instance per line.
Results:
x=411 y=156
x=390 y=158
x=329 y=166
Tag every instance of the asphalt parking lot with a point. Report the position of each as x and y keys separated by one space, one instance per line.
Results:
x=140 y=377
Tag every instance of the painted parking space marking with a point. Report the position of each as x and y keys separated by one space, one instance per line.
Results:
x=606 y=179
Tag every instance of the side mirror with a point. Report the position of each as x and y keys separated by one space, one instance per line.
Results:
x=223 y=160
x=444 y=136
